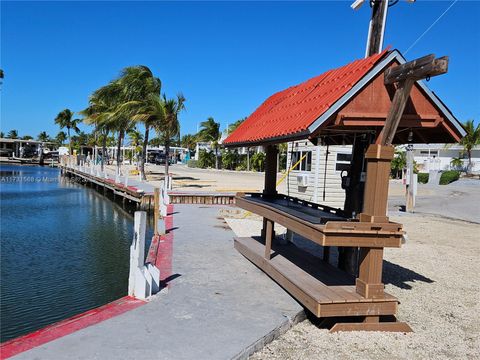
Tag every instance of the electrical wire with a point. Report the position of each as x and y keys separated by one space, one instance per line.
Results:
x=431 y=26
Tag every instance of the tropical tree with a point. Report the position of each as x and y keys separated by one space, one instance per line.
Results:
x=151 y=114
x=136 y=139
x=189 y=141
x=12 y=134
x=2 y=134
x=470 y=140
x=155 y=142
x=43 y=136
x=169 y=129
x=65 y=119
x=399 y=162
x=140 y=90
x=100 y=114
x=60 y=138
x=210 y=132
x=27 y=137
x=456 y=163
x=113 y=106
x=232 y=127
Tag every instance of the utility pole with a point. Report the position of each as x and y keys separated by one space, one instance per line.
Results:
x=376 y=28
x=354 y=191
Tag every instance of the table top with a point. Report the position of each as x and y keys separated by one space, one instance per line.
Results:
x=301 y=211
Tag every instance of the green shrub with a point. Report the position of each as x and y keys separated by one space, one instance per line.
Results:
x=192 y=163
x=449 y=177
x=398 y=164
x=423 y=178
x=241 y=167
x=229 y=159
x=258 y=161
x=206 y=159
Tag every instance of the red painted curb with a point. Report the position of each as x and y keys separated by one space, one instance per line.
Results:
x=68 y=326
x=160 y=252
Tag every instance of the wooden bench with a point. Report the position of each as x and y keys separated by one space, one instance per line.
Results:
x=322 y=288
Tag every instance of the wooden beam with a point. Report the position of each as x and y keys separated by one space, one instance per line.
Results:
x=418 y=69
x=379 y=326
x=396 y=111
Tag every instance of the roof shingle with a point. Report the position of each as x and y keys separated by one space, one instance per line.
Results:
x=293 y=110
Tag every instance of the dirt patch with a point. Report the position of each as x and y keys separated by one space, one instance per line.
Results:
x=435 y=276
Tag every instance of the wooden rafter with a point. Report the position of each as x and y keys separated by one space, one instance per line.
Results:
x=405 y=76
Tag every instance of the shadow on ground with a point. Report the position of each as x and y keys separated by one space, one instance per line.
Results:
x=399 y=276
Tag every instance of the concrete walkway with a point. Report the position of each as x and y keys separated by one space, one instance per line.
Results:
x=458 y=200
x=218 y=305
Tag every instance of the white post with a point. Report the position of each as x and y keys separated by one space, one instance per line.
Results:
x=137 y=282
x=410 y=201
x=126 y=179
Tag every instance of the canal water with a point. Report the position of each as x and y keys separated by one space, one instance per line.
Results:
x=64 y=249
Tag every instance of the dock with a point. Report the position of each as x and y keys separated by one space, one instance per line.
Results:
x=130 y=189
x=216 y=304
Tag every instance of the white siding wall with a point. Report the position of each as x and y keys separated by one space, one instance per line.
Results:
x=439 y=158
x=317 y=179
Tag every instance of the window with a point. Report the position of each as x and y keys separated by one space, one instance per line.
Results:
x=429 y=152
x=305 y=164
x=343 y=162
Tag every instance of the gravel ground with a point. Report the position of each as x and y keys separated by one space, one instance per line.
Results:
x=435 y=275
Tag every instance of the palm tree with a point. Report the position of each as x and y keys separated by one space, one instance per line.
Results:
x=100 y=113
x=210 y=131
x=65 y=120
x=141 y=89
x=27 y=137
x=169 y=128
x=152 y=114
x=114 y=106
x=162 y=114
x=43 y=137
x=470 y=140
x=12 y=134
x=135 y=138
x=60 y=138
x=2 y=134
x=232 y=127
x=188 y=141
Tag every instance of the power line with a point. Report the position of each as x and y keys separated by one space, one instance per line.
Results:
x=428 y=29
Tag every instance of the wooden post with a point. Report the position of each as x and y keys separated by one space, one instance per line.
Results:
x=354 y=193
x=268 y=238
x=270 y=187
x=377 y=27
x=376 y=188
x=369 y=281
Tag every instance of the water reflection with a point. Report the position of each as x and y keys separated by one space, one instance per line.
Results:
x=64 y=248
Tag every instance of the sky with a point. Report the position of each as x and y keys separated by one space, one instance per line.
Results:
x=225 y=57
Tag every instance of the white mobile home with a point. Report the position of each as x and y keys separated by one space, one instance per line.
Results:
x=311 y=180
x=439 y=157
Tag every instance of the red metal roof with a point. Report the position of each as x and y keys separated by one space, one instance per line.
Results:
x=291 y=111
